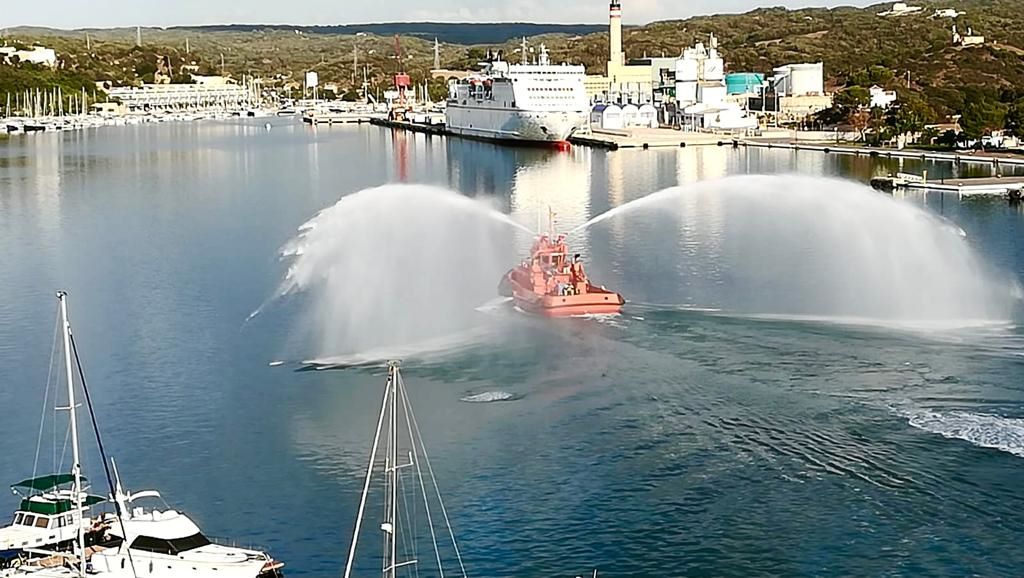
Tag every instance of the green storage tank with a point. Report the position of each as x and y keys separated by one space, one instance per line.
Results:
x=743 y=82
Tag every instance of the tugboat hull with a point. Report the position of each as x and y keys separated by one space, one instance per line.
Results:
x=596 y=301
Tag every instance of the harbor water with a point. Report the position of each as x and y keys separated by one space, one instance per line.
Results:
x=809 y=378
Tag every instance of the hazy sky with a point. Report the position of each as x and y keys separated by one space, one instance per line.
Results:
x=110 y=13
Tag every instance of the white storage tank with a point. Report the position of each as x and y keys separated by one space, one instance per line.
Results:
x=800 y=79
x=686 y=92
x=630 y=115
x=807 y=78
x=686 y=69
x=606 y=116
x=648 y=116
x=714 y=69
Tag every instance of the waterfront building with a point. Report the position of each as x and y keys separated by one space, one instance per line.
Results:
x=198 y=96
x=108 y=108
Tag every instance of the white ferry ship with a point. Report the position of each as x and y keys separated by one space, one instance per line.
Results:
x=530 y=103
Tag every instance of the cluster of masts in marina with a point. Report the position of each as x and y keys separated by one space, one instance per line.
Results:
x=39 y=110
x=40 y=103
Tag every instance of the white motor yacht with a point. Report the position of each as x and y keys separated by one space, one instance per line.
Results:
x=52 y=538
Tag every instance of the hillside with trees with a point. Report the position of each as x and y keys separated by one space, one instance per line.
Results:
x=913 y=54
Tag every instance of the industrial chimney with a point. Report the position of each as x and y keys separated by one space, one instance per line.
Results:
x=615 y=57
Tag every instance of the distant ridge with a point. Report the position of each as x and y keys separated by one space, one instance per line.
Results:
x=451 y=33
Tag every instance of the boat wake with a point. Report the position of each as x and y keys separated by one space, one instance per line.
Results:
x=983 y=430
x=427 y=350
x=495 y=305
x=957 y=330
x=928 y=326
x=490 y=397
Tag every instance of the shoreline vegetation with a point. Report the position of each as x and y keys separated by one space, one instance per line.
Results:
x=980 y=89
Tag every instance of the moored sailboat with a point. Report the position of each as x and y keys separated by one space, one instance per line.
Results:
x=132 y=542
x=52 y=515
x=405 y=465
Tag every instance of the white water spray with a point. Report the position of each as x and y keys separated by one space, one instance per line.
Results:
x=397 y=265
x=794 y=245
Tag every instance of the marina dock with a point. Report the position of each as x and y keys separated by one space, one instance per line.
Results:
x=1008 y=186
x=888 y=153
x=432 y=129
x=647 y=138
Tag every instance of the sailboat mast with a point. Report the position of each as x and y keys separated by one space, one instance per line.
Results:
x=393 y=436
x=366 y=485
x=76 y=469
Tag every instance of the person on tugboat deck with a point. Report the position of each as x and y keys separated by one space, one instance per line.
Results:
x=578 y=275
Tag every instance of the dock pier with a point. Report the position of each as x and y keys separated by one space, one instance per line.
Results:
x=887 y=153
x=431 y=129
x=648 y=138
x=1011 y=187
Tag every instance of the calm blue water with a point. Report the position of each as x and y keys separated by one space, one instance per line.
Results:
x=669 y=441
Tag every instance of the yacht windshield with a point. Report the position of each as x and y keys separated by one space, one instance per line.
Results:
x=171 y=547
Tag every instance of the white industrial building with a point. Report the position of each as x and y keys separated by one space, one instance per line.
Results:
x=701 y=93
x=804 y=79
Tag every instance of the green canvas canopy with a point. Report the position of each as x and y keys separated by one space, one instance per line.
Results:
x=43 y=483
x=57 y=506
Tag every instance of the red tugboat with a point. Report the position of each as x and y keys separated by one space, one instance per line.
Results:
x=552 y=285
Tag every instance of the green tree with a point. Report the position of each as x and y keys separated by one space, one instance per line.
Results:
x=876 y=122
x=845 y=105
x=852 y=97
x=929 y=135
x=1014 y=122
x=948 y=139
x=981 y=117
x=860 y=119
x=909 y=115
x=871 y=76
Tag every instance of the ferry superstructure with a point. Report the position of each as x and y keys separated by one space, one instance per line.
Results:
x=540 y=103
